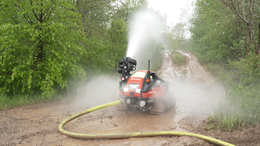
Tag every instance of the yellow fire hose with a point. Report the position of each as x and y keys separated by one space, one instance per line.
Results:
x=128 y=135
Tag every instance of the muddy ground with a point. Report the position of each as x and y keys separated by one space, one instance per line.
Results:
x=197 y=94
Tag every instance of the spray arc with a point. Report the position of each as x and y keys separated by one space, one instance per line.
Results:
x=144 y=89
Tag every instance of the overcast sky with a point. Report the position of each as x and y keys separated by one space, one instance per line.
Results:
x=172 y=8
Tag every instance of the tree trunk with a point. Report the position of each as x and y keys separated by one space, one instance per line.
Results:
x=40 y=47
x=259 y=39
x=249 y=32
x=247 y=49
x=40 y=55
x=253 y=25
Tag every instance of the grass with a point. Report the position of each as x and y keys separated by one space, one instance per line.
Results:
x=178 y=58
x=8 y=102
x=184 y=72
x=240 y=109
x=225 y=123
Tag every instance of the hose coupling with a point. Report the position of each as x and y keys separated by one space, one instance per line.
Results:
x=122 y=100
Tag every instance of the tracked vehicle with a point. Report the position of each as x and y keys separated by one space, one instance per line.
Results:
x=144 y=89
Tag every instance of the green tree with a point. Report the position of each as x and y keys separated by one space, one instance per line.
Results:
x=248 y=12
x=105 y=25
x=118 y=34
x=178 y=31
x=213 y=35
x=40 y=46
x=96 y=16
x=175 y=38
x=126 y=8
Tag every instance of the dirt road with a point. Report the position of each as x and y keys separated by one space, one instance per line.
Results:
x=196 y=93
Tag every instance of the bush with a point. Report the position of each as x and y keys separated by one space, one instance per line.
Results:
x=241 y=106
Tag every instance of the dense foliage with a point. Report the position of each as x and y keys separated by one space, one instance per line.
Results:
x=40 y=47
x=225 y=37
x=49 y=47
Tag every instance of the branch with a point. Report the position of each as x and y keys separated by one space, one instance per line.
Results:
x=28 y=19
x=36 y=16
x=34 y=12
x=235 y=11
x=249 y=6
x=48 y=16
x=16 y=5
x=51 y=8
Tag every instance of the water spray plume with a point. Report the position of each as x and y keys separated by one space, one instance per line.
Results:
x=144 y=26
x=89 y=95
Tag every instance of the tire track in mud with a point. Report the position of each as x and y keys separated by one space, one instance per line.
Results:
x=195 y=70
x=188 y=82
x=168 y=72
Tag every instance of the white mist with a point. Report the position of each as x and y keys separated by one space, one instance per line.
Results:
x=144 y=26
